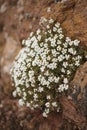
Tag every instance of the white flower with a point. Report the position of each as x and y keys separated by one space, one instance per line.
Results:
x=64 y=51
x=61 y=36
x=68 y=39
x=42 y=20
x=41 y=44
x=56 y=79
x=66 y=86
x=78 y=57
x=14 y=93
x=42 y=68
x=76 y=42
x=35 y=96
x=65 y=80
x=52 y=66
x=23 y=42
x=68 y=72
x=24 y=94
x=35 y=90
x=53 y=43
x=39 y=37
x=51 y=21
x=54 y=52
x=45 y=45
x=63 y=70
x=70 y=50
x=58 y=109
x=38 y=31
x=35 y=106
x=31 y=34
x=21 y=102
x=47 y=110
x=50 y=79
x=18 y=89
x=54 y=29
x=40 y=89
x=48 y=58
x=57 y=25
x=48 y=97
x=48 y=26
x=39 y=77
x=47 y=104
x=65 y=45
x=28 y=104
x=49 y=31
x=71 y=43
x=30 y=93
x=60 y=58
x=54 y=104
x=33 y=63
x=61 y=88
x=67 y=56
x=44 y=114
x=77 y=63
x=65 y=64
x=48 y=9
x=59 y=48
x=59 y=30
x=58 y=42
x=74 y=52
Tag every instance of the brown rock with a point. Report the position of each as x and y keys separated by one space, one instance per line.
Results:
x=70 y=112
x=10 y=51
x=80 y=78
x=73 y=17
x=3 y=7
x=79 y=89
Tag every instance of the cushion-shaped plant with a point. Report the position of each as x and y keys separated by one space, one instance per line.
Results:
x=45 y=66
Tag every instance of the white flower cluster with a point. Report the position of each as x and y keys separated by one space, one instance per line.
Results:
x=44 y=68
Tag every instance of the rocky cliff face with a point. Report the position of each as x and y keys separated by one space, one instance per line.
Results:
x=17 y=19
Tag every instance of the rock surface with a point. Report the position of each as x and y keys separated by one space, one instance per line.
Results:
x=17 y=19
